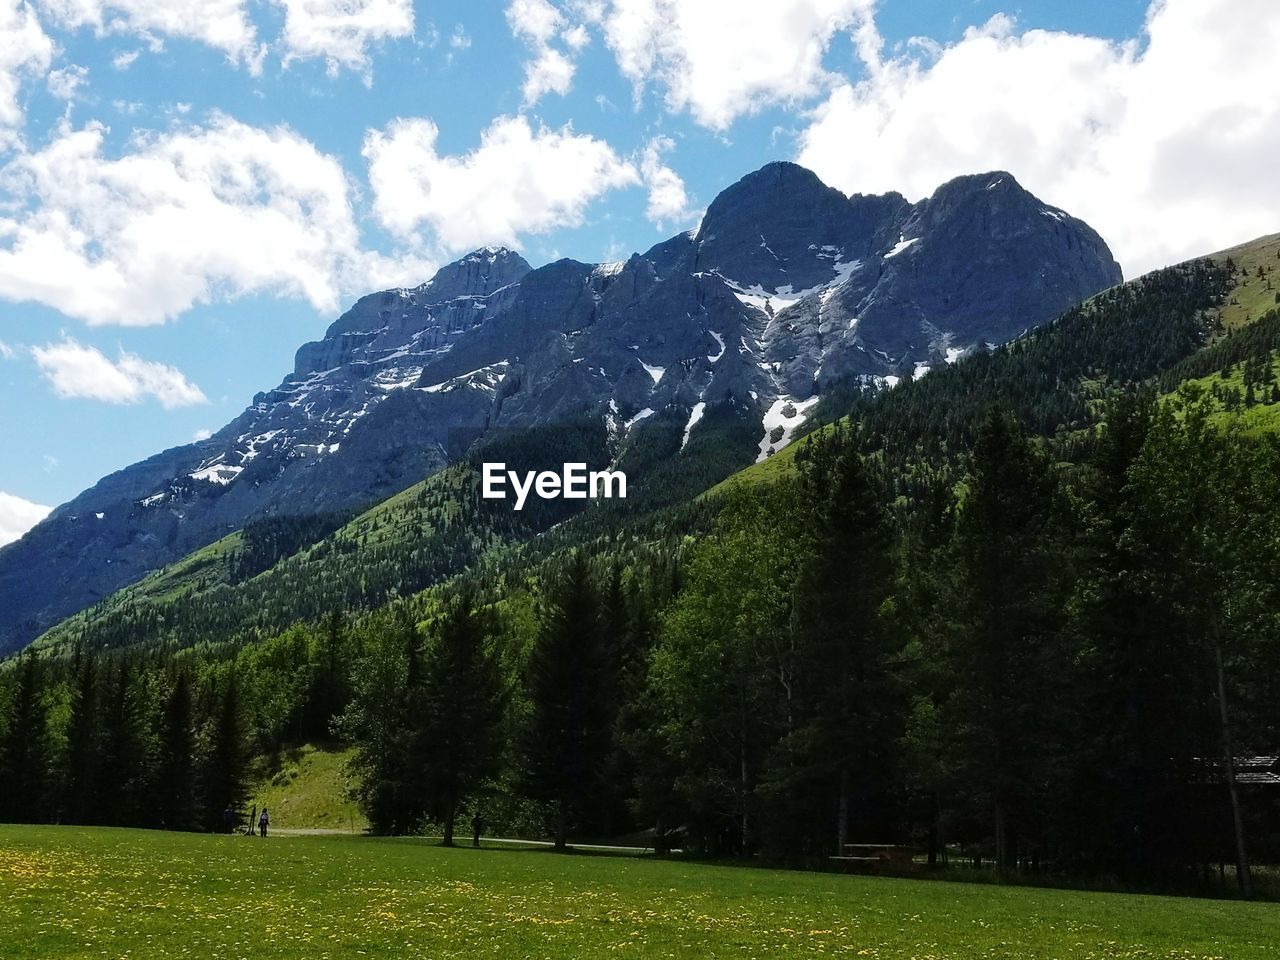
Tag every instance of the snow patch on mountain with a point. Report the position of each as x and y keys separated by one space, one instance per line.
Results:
x=719 y=340
x=784 y=416
x=655 y=372
x=902 y=245
x=643 y=414
x=694 y=416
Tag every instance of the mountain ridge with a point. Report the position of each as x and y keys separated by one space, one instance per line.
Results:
x=787 y=287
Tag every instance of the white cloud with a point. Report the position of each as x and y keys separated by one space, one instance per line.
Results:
x=460 y=40
x=222 y=24
x=341 y=31
x=123 y=61
x=720 y=59
x=518 y=180
x=1167 y=147
x=6 y=352
x=668 y=200
x=17 y=516
x=193 y=216
x=204 y=433
x=535 y=20
x=25 y=50
x=78 y=371
x=550 y=70
x=65 y=83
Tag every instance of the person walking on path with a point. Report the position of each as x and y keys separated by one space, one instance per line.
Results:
x=477 y=827
x=263 y=821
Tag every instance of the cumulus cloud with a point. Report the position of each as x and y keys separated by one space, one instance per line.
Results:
x=342 y=31
x=193 y=216
x=17 y=516
x=519 y=180
x=541 y=25
x=78 y=371
x=65 y=83
x=721 y=59
x=668 y=200
x=25 y=50
x=6 y=352
x=222 y=24
x=1166 y=146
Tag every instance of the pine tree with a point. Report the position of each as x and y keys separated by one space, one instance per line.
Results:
x=224 y=771
x=124 y=776
x=457 y=726
x=849 y=705
x=175 y=784
x=1009 y=556
x=80 y=768
x=565 y=742
x=24 y=750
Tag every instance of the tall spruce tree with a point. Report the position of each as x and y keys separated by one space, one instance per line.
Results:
x=24 y=751
x=1005 y=646
x=125 y=774
x=457 y=723
x=79 y=782
x=566 y=738
x=849 y=704
x=175 y=793
x=224 y=770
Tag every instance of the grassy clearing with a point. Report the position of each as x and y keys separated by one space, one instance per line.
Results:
x=1252 y=297
x=69 y=892
x=308 y=791
x=776 y=467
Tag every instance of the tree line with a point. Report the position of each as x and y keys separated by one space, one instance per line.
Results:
x=1042 y=666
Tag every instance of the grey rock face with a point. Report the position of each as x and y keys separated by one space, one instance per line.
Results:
x=787 y=286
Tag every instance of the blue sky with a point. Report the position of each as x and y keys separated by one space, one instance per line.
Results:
x=190 y=189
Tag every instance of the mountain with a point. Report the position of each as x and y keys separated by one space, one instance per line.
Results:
x=726 y=335
x=1158 y=331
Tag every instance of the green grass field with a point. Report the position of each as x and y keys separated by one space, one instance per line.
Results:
x=73 y=892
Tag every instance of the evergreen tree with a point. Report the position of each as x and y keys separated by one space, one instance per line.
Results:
x=1005 y=653
x=80 y=767
x=175 y=794
x=566 y=739
x=457 y=726
x=24 y=750
x=224 y=773
x=124 y=777
x=848 y=703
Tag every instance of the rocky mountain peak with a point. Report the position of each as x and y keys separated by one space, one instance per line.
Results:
x=719 y=338
x=778 y=226
x=477 y=274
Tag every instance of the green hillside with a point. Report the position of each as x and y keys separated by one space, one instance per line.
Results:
x=1055 y=379
x=1162 y=325
x=308 y=788
x=1252 y=295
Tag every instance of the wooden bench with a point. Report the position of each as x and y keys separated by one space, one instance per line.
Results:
x=878 y=855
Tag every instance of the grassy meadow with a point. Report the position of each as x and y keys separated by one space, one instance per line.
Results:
x=82 y=892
